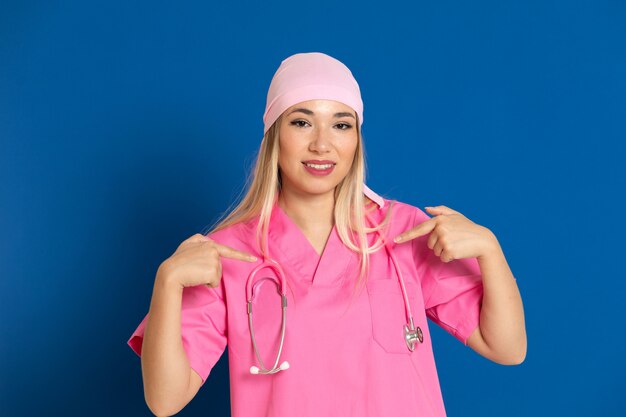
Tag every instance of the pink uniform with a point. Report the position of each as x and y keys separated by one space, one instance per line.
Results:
x=347 y=354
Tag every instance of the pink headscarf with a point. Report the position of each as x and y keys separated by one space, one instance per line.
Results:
x=313 y=76
x=310 y=76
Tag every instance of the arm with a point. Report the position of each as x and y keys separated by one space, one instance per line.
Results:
x=501 y=335
x=169 y=383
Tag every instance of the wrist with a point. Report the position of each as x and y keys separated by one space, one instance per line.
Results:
x=492 y=246
x=166 y=279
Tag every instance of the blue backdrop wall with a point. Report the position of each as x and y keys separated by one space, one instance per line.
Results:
x=126 y=127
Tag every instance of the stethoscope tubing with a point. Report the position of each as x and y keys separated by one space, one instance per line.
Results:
x=271 y=264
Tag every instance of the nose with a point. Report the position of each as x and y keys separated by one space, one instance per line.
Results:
x=319 y=141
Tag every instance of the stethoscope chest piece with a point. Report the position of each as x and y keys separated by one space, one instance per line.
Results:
x=411 y=335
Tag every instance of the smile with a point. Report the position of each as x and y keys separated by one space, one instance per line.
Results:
x=317 y=166
x=318 y=169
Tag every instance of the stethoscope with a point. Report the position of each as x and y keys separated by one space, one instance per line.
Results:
x=412 y=334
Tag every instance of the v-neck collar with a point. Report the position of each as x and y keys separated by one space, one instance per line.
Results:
x=288 y=244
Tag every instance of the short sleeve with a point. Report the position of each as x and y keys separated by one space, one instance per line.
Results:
x=203 y=328
x=453 y=291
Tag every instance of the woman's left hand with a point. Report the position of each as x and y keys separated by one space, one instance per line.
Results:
x=452 y=235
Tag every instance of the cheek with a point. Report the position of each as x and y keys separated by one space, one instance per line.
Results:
x=348 y=152
x=284 y=149
x=288 y=155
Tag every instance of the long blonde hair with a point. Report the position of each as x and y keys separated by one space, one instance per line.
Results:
x=263 y=187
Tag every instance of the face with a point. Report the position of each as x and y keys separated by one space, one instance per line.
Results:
x=318 y=140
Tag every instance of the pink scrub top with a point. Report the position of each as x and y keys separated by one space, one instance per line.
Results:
x=346 y=353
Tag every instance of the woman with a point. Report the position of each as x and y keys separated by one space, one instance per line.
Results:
x=355 y=340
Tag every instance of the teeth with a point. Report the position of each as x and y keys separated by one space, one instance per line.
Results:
x=316 y=166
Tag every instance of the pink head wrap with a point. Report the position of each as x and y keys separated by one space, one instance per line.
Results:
x=313 y=76
x=310 y=76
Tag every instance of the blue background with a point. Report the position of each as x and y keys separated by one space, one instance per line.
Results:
x=126 y=127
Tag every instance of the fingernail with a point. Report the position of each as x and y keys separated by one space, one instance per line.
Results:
x=253 y=258
x=397 y=239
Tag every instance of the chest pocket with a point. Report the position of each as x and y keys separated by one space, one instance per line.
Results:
x=388 y=312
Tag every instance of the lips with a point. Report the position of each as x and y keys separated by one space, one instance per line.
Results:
x=319 y=168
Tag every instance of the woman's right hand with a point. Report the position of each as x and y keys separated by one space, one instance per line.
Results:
x=197 y=261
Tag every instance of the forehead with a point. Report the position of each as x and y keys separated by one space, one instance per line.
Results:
x=321 y=106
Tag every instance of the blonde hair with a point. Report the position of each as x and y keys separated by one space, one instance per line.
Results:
x=264 y=184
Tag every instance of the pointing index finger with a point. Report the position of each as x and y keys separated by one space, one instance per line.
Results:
x=419 y=230
x=228 y=252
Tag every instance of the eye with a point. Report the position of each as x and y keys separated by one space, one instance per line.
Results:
x=299 y=123
x=344 y=126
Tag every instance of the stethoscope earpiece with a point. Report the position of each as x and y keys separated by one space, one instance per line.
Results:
x=283 y=366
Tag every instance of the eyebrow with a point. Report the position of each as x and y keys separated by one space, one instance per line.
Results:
x=310 y=113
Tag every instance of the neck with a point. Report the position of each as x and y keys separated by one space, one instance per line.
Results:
x=310 y=211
